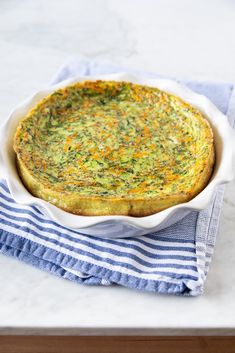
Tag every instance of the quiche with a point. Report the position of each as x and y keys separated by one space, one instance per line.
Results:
x=114 y=148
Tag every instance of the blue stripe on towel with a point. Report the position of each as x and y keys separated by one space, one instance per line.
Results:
x=30 y=223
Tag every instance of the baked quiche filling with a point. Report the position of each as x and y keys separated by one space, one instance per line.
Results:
x=106 y=147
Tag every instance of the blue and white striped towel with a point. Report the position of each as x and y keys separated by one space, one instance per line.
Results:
x=173 y=261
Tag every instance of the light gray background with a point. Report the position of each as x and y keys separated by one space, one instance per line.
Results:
x=184 y=38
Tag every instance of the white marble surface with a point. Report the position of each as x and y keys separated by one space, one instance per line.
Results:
x=182 y=38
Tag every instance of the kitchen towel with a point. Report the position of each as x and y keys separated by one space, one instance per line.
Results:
x=172 y=261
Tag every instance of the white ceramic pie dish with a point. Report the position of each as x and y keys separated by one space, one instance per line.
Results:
x=123 y=226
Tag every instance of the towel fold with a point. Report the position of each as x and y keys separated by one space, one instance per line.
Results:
x=172 y=261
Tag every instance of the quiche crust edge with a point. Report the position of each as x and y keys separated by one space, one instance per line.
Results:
x=101 y=206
